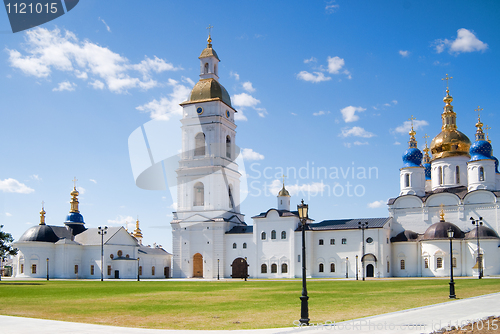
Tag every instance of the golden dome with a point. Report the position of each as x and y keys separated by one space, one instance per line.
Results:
x=283 y=192
x=209 y=90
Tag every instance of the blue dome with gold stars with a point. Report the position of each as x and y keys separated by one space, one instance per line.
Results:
x=480 y=150
x=412 y=157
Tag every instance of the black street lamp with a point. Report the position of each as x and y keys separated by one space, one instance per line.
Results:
x=138 y=269
x=102 y=232
x=246 y=269
x=356 y=267
x=477 y=223
x=47 y=269
x=363 y=226
x=218 y=261
x=452 y=283
x=346 y=267
x=304 y=307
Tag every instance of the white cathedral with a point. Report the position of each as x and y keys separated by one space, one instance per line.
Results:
x=437 y=195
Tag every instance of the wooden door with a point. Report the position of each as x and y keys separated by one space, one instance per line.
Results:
x=197 y=265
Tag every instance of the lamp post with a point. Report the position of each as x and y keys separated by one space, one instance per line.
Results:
x=246 y=269
x=363 y=226
x=47 y=269
x=138 y=269
x=304 y=307
x=452 y=283
x=102 y=231
x=477 y=223
x=218 y=261
x=346 y=267
x=356 y=267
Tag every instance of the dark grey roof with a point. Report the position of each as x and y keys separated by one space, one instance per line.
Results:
x=152 y=250
x=439 y=230
x=406 y=235
x=124 y=258
x=346 y=224
x=240 y=229
x=39 y=233
x=459 y=191
x=484 y=233
x=62 y=232
x=282 y=213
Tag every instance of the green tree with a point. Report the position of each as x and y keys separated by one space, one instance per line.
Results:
x=5 y=247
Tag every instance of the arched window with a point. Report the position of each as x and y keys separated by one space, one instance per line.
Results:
x=263 y=269
x=284 y=268
x=274 y=268
x=33 y=268
x=439 y=262
x=199 y=194
x=228 y=147
x=481 y=174
x=402 y=264
x=244 y=245
x=321 y=242
x=199 y=144
x=206 y=68
x=273 y=234
x=215 y=69
x=332 y=267
x=231 y=200
x=321 y=268
x=440 y=175
x=283 y=235
x=388 y=266
x=263 y=235
x=407 y=180
x=234 y=245
x=457 y=175
x=153 y=270
x=426 y=263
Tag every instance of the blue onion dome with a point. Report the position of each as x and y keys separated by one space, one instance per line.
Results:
x=427 y=167
x=74 y=217
x=412 y=158
x=480 y=150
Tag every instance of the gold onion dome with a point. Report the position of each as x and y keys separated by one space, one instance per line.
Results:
x=283 y=192
x=449 y=142
x=209 y=90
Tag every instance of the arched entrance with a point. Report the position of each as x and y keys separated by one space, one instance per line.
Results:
x=197 y=265
x=369 y=270
x=239 y=268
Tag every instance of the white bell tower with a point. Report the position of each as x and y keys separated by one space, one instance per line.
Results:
x=208 y=181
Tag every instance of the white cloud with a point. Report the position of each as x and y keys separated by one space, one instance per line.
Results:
x=406 y=126
x=312 y=77
x=321 y=112
x=8 y=214
x=235 y=75
x=92 y=180
x=335 y=64
x=13 y=186
x=239 y=116
x=125 y=221
x=97 y=84
x=65 y=85
x=377 y=204
x=36 y=177
x=394 y=102
x=331 y=7
x=51 y=50
x=397 y=143
x=173 y=206
x=244 y=100
x=466 y=41
x=356 y=131
x=249 y=154
x=349 y=113
x=359 y=143
x=81 y=75
x=248 y=87
x=107 y=27
x=167 y=106
x=81 y=190
x=404 y=53
x=310 y=60
x=295 y=189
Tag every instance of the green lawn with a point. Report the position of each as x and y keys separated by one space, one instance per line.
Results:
x=232 y=304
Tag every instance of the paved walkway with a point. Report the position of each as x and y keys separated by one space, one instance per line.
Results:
x=419 y=320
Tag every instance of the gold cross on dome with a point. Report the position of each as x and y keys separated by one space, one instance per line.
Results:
x=478 y=112
x=411 y=119
x=210 y=29
x=74 y=182
x=43 y=204
x=283 y=176
x=425 y=138
x=447 y=79
x=487 y=135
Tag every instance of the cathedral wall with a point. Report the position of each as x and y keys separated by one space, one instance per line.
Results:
x=405 y=259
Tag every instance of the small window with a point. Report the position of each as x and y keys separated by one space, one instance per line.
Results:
x=244 y=245
x=263 y=235
x=320 y=242
x=22 y=268
x=388 y=266
x=454 y=262
x=199 y=194
x=344 y=241
x=321 y=268
x=263 y=269
x=407 y=180
x=426 y=263
x=206 y=68
x=481 y=174
x=284 y=268
x=440 y=175
x=92 y=270
x=199 y=144
x=274 y=268
x=439 y=262
x=33 y=268
x=76 y=269
x=273 y=234
x=127 y=256
x=298 y=258
x=457 y=174
x=332 y=241
x=369 y=240
x=109 y=270
x=402 y=264
x=387 y=241
x=234 y=245
x=153 y=270
x=140 y=270
x=332 y=267
x=228 y=147
x=283 y=235
x=120 y=253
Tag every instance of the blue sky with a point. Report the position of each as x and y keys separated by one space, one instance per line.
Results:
x=318 y=84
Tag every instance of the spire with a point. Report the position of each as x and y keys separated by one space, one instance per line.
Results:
x=449 y=117
x=283 y=191
x=487 y=135
x=42 y=215
x=413 y=142
x=209 y=39
x=427 y=158
x=137 y=232
x=441 y=213
x=74 y=201
x=479 y=125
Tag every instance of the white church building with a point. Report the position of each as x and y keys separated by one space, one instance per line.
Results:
x=211 y=238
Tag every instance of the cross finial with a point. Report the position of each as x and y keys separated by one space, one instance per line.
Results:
x=447 y=79
x=283 y=176
x=411 y=119
x=210 y=29
x=487 y=135
x=74 y=182
x=478 y=113
x=441 y=214
x=425 y=138
x=43 y=205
